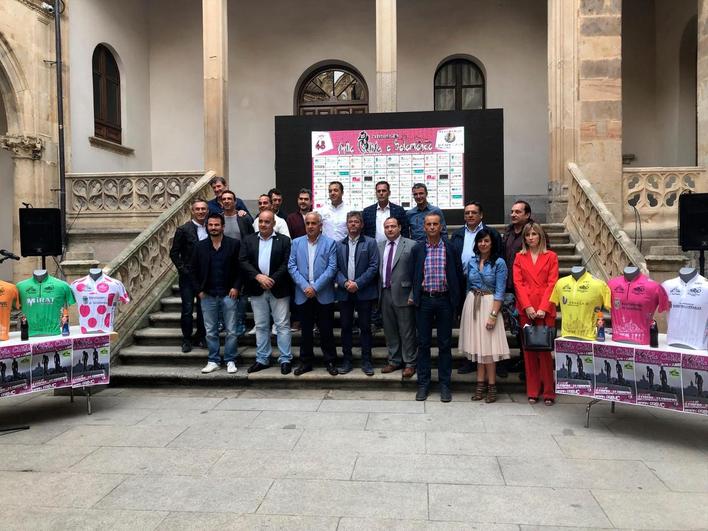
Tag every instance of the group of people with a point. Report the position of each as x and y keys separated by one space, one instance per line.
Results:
x=385 y=265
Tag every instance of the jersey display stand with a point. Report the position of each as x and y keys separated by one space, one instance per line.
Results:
x=666 y=377
x=78 y=361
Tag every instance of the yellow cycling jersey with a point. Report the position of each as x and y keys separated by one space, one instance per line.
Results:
x=578 y=301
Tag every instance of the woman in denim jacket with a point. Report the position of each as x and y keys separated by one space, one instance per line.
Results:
x=482 y=334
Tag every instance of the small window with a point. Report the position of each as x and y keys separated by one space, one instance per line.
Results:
x=332 y=89
x=459 y=86
x=106 y=95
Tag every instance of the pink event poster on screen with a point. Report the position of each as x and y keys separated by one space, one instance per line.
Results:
x=15 y=369
x=51 y=364
x=658 y=374
x=91 y=360
x=695 y=383
x=574 y=368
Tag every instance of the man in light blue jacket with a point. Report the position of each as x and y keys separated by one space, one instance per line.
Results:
x=313 y=266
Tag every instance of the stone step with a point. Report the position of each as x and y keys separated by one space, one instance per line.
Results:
x=171 y=336
x=167 y=374
x=172 y=355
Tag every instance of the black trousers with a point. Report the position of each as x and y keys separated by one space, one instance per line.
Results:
x=311 y=312
x=188 y=296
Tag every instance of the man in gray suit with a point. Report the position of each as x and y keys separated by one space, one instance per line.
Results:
x=395 y=287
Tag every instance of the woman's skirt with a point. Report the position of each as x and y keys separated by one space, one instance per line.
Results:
x=476 y=342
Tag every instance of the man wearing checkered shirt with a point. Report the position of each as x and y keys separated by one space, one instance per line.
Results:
x=438 y=285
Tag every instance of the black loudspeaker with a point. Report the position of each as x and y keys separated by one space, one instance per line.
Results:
x=693 y=222
x=40 y=232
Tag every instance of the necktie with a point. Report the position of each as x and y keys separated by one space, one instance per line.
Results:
x=389 y=262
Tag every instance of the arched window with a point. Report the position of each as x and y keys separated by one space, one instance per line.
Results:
x=332 y=89
x=106 y=95
x=459 y=86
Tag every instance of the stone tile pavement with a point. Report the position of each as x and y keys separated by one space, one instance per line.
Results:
x=338 y=459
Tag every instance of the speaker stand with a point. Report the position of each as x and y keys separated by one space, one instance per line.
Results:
x=702 y=262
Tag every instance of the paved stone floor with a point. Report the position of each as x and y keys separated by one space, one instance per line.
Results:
x=192 y=458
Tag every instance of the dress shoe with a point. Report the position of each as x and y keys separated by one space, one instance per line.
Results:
x=302 y=369
x=421 y=394
x=467 y=367
x=186 y=346
x=285 y=368
x=390 y=368
x=408 y=372
x=332 y=370
x=257 y=366
x=445 y=394
x=345 y=367
x=367 y=368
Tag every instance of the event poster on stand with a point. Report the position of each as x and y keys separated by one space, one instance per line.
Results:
x=51 y=364
x=658 y=374
x=695 y=391
x=402 y=157
x=614 y=373
x=15 y=369
x=574 y=368
x=91 y=360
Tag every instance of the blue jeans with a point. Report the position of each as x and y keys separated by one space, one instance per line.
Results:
x=212 y=307
x=434 y=311
x=264 y=306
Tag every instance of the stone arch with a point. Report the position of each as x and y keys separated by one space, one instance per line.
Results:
x=13 y=83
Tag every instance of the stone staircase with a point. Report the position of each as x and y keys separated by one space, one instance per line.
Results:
x=155 y=356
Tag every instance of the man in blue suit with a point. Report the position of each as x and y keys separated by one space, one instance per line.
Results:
x=375 y=215
x=438 y=288
x=357 y=272
x=313 y=266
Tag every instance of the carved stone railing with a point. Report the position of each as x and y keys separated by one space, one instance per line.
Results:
x=605 y=247
x=653 y=195
x=125 y=195
x=144 y=266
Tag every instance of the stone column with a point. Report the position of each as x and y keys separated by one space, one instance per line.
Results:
x=562 y=93
x=702 y=82
x=216 y=84
x=599 y=152
x=386 y=52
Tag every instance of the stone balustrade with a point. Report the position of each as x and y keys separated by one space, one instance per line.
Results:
x=92 y=197
x=144 y=266
x=605 y=247
x=651 y=196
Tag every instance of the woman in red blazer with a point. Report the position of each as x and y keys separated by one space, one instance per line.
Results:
x=535 y=274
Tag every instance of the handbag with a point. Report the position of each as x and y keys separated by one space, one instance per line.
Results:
x=539 y=337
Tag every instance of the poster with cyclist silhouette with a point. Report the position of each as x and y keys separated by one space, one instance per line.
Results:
x=614 y=373
x=658 y=374
x=574 y=368
x=694 y=369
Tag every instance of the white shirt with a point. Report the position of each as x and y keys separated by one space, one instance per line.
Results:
x=280 y=226
x=334 y=221
x=388 y=249
x=311 y=252
x=264 y=249
x=382 y=214
x=468 y=247
x=688 y=316
x=202 y=233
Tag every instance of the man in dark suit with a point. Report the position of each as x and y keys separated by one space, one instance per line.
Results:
x=181 y=254
x=395 y=288
x=376 y=214
x=217 y=280
x=357 y=271
x=264 y=263
x=438 y=285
